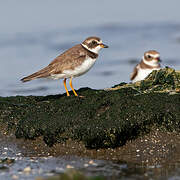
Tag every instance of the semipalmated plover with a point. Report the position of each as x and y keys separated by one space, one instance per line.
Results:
x=150 y=61
x=72 y=63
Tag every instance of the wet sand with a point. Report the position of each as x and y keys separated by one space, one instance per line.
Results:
x=150 y=156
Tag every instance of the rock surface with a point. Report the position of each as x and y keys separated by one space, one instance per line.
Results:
x=111 y=122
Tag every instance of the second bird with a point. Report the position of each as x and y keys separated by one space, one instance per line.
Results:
x=72 y=63
x=150 y=61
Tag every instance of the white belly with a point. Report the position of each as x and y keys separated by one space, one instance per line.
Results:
x=78 y=71
x=143 y=73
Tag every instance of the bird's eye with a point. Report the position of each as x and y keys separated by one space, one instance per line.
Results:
x=149 y=56
x=93 y=42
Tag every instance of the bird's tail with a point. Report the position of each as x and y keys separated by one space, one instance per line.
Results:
x=40 y=74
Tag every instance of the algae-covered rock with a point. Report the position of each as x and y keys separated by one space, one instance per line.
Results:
x=103 y=118
x=164 y=80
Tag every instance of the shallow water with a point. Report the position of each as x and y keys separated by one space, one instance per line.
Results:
x=33 y=33
x=32 y=51
x=32 y=167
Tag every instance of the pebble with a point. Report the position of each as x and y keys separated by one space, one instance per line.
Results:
x=69 y=166
x=86 y=165
x=18 y=154
x=27 y=169
x=15 y=177
x=92 y=163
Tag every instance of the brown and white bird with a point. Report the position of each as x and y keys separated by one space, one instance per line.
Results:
x=150 y=61
x=72 y=63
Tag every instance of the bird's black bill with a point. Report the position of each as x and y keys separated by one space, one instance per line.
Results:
x=104 y=46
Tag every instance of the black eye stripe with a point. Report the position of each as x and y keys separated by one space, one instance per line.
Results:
x=94 y=42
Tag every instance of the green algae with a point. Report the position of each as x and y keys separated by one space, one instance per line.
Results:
x=72 y=175
x=103 y=118
x=7 y=161
x=164 y=80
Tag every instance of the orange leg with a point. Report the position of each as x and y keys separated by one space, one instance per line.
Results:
x=66 y=87
x=70 y=82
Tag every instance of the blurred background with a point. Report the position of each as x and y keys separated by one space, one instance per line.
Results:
x=33 y=33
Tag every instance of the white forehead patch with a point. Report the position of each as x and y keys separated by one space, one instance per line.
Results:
x=156 y=55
